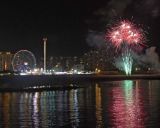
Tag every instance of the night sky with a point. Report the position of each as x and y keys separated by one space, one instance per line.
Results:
x=67 y=23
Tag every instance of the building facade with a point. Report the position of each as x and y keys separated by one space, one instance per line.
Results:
x=6 y=61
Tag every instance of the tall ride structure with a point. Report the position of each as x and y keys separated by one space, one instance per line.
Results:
x=44 y=68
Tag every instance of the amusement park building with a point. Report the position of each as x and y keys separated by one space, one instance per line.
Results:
x=6 y=61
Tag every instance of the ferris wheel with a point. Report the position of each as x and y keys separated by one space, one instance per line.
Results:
x=23 y=61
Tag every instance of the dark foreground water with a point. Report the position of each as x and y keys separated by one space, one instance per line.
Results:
x=118 y=104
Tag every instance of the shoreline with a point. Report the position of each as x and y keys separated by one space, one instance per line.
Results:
x=62 y=82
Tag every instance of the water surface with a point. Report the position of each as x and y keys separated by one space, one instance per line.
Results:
x=122 y=104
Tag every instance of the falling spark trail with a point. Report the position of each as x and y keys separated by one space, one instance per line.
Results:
x=127 y=63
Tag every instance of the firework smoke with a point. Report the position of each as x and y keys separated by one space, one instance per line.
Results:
x=112 y=10
x=96 y=39
x=151 y=57
x=115 y=9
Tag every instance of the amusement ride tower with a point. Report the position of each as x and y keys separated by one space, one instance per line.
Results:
x=44 y=41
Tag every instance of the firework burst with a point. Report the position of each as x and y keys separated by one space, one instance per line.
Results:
x=125 y=32
x=126 y=37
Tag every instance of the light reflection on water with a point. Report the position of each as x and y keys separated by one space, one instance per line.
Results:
x=122 y=104
x=127 y=111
